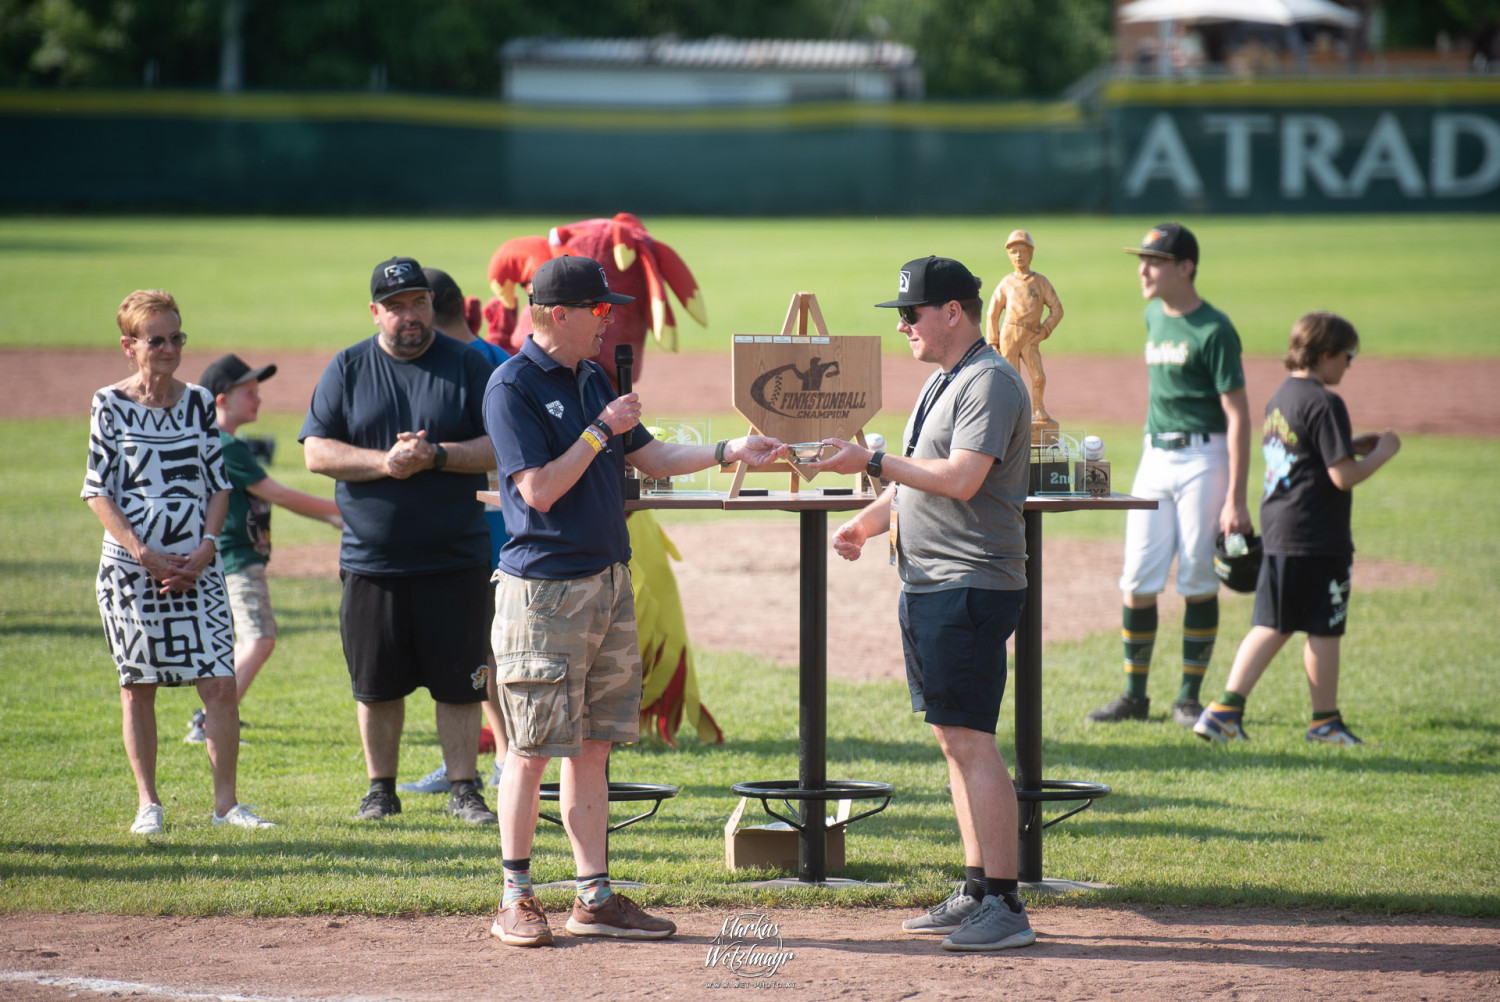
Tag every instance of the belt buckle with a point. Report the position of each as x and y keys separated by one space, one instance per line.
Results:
x=1170 y=440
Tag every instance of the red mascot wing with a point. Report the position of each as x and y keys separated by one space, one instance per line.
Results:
x=512 y=264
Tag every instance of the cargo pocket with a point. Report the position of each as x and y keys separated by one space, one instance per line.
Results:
x=533 y=687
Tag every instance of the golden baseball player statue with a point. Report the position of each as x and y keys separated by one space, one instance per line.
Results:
x=1021 y=296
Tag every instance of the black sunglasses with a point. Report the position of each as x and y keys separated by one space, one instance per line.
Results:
x=155 y=343
x=908 y=314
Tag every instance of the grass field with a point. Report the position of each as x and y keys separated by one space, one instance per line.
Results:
x=1413 y=285
x=1404 y=824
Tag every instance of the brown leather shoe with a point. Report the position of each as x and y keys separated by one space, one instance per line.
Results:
x=617 y=916
x=522 y=924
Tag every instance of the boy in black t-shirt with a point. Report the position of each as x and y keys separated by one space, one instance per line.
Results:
x=1311 y=467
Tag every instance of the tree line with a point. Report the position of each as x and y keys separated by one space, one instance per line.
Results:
x=968 y=48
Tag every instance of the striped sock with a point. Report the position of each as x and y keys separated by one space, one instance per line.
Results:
x=1229 y=701
x=1200 y=629
x=594 y=889
x=1138 y=631
x=517 y=880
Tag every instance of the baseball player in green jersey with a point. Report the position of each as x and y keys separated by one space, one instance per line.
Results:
x=1194 y=465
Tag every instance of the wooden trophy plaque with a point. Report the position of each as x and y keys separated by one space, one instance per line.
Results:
x=801 y=386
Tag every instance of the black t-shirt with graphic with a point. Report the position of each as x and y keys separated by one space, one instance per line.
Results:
x=1306 y=430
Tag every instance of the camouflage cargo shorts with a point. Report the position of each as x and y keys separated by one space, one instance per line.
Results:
x=568 y=665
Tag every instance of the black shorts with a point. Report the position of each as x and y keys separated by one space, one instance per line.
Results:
x=429 y=630
x=1303 y=595
x=954 y=642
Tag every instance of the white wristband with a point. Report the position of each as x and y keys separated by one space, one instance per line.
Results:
x=210 y=536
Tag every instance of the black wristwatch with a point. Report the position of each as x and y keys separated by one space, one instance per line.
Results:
x=873 y=466
x=439 y=456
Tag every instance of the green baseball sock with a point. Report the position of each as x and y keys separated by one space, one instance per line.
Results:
x=1138 y=631
x=1231 y=700
x=1200 y=628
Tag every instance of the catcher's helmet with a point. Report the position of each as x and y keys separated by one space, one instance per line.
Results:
x=1242 y=572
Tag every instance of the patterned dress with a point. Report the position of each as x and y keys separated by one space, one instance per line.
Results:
x=160 y=465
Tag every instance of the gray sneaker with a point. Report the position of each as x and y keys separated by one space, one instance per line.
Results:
x=196 y=735
x=1186 y=712
x=992 y=927
x=467 y=804
x=945 y=916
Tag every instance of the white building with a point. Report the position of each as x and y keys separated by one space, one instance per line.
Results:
x=671 y=72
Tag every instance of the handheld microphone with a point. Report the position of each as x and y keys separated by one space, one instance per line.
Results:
x=624 y=363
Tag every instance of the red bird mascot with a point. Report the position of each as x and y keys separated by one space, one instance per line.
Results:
x=639 y=265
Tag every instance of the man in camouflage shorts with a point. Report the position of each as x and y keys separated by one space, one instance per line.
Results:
x=568 y=665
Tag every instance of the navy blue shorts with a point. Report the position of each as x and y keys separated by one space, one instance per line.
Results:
x=954 y=642
x=427 y=630
x=1303 y=595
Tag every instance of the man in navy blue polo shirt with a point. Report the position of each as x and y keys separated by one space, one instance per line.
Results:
x=568 y=662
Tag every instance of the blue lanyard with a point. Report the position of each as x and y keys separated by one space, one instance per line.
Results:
x=935 y=391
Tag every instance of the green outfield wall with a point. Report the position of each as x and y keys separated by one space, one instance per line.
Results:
x=1212 y=147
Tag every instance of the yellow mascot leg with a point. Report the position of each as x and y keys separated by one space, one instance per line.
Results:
x=670 y=683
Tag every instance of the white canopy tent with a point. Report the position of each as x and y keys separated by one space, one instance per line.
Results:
x=1258 y=11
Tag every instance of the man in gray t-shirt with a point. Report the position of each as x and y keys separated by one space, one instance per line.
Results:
x=953 y=510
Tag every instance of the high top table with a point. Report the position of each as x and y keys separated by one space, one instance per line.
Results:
x=813 y=508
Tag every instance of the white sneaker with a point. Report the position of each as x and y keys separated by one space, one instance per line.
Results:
x=435 y=781
x=242 y=816
x=148 y=820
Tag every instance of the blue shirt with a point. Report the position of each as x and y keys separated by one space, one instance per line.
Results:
x=493 y=353
x=431 y=522
x=534 y=410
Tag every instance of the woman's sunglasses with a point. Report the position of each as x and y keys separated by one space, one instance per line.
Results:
x=155 y=343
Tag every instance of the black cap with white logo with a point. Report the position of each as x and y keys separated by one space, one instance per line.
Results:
x=934 y=280
x=568 y=279
x=398 y=274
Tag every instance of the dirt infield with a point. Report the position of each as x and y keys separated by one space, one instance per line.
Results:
x=1449 y=397
x=1081 y=953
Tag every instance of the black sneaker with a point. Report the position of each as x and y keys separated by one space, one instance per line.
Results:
x=466 y=803
x=378 y=804
x=1122 y=707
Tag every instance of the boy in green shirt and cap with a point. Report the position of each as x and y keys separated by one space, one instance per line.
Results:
x=245 y=544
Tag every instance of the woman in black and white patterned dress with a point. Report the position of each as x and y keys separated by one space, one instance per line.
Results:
x=156 y=481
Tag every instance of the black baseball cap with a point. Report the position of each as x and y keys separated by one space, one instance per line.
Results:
x=447 y=297
x=934 y=280
x=1172 y=241
x=397 y=274
x=224 y=374
x=571 y=279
